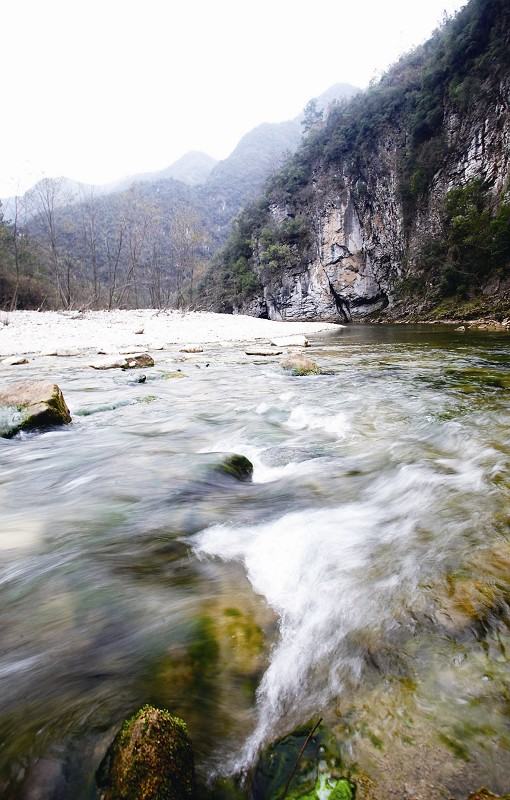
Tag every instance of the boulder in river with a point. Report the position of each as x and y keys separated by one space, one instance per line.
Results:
x=192 y=349
x=32 y=404
x=237 y=466
x=300 y=365
x=151 y=758
x=140 y=360
x=137 y=360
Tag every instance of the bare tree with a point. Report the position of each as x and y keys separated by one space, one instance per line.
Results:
x=46 y=197
x=187 y=239
x=88 y=208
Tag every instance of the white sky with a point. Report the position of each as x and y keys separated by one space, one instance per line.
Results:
x=99 y=89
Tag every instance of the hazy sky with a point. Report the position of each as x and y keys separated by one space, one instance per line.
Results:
x=98 y=89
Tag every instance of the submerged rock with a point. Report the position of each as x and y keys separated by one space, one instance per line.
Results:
x=300 y=365
x=32 y=404
x=237 y=466
x=191 y=349
x=151 y=758
x=304 y=765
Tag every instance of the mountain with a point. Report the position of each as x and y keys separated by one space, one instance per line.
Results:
x=398 y=203
x=192 y=168
x=144 y=233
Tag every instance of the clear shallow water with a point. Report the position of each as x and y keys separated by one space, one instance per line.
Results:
x=133 y=571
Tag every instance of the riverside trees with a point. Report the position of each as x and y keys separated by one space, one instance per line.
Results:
x=125 y=250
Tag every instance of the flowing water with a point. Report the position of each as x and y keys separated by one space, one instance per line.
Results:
x=362 y=575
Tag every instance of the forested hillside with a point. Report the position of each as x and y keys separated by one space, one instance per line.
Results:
x=145 y=241
x=399 y=201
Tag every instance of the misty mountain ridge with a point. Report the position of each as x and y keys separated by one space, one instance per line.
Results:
x=258 y=153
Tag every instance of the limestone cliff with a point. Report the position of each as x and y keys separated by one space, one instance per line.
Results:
x=354 y=217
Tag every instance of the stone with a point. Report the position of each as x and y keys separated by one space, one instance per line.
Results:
x=237 y=466
x=263 y=351
x=484 y=794
x=461 y=328
x=191 y=349
x=124 y=362
x=295 y=340
x=142 y=360
x=139 y=332
x=151 y=758
x=32 y=404
x=14 y=361
x=109 y=363
x=300 y=365
x=141 y=379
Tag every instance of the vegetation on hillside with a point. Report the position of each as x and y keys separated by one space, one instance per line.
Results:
x=459 y=67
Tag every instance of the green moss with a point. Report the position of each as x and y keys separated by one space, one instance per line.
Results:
x=327 y=788
x=237 y=466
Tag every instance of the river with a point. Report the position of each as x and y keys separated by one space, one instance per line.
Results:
x=363 y=575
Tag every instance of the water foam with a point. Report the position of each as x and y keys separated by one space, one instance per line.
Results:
x=338 y=578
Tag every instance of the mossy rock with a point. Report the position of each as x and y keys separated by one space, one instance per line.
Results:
x=237 y=466
x=300 y=365
x=471 y=378
x=151 y=758
x=327 y=788
x=312 y=772
x=30 y=405
x=484 y=794
x=469 y=597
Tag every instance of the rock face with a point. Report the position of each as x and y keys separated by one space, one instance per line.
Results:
x=32 y=404
x=151 y=758
x=369 y=212
x=362 y=239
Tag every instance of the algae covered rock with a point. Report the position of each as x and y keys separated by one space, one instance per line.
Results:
x=304 y=765
x=31 y=404
x=300 y=365
x=151 y=758
x=237 y=466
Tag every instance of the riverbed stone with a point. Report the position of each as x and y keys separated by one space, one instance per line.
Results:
x=237 y=466
x=151 y=758
x=301 y=365
x=138 y=360
x=263 y=351
x=141 y=360
x=294 y=340
x=32 y=404
x=14 y=361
